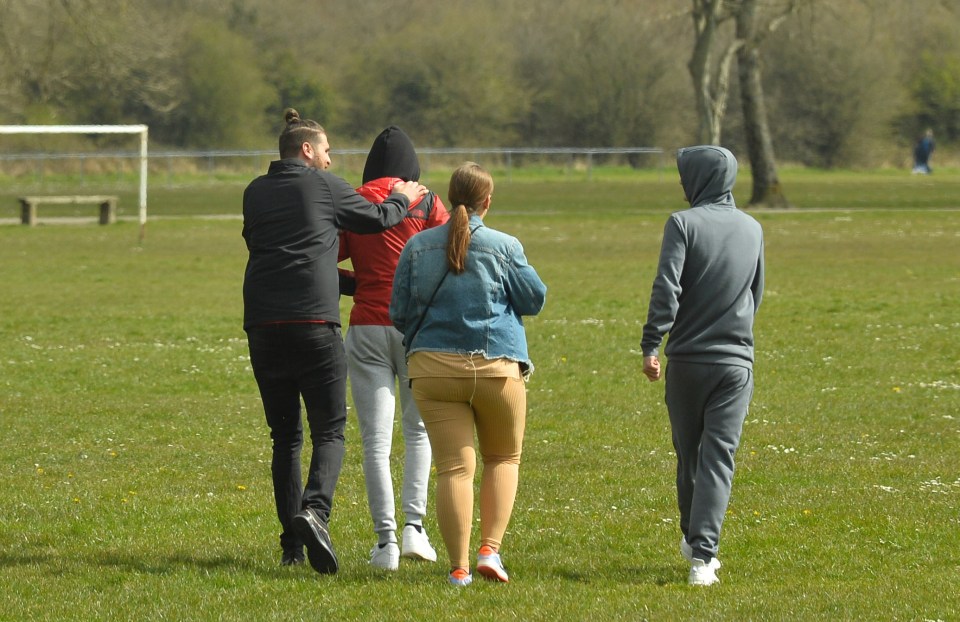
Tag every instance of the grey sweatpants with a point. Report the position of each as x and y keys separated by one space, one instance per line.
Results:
x=707 y=405
x=378 y=368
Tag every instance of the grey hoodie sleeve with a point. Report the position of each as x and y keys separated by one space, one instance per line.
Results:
x=757 y=286
x=665 y=297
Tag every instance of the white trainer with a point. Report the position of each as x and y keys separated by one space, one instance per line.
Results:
x=386 y=557
x=686 y=550
x=416 y=544
x=704 y=573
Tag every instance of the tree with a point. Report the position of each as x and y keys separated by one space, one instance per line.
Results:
x=600 y=74
x=126 y=69
x=711 y=79
x=36 y=51
x=227 y=95
x=751 y=32
x=835 y=88
x=935 y=92
x=444 y=85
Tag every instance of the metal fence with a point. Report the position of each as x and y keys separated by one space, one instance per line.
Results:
x=171 y=168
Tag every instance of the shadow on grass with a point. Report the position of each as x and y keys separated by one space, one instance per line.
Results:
x=143 y=564
x=639 y=575
x=160 y=565
x=177 y=561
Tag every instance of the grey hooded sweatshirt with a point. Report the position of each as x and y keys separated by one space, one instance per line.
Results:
x=709 y=280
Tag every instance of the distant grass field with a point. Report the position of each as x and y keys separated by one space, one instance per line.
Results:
x=135 y=478
x=606 y=188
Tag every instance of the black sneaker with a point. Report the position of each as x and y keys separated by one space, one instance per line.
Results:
x=316 y=538
x=292 y=557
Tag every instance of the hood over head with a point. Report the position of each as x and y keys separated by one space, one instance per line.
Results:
x=707 y=174
x=392 y=155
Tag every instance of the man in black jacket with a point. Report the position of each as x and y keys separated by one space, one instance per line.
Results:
x=291 y=222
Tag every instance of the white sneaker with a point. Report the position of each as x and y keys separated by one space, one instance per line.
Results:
x=386 y=557
x=416 y=544
x=704 y=573
x=686 y=550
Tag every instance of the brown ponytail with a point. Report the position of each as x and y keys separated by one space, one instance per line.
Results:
x=470 y=185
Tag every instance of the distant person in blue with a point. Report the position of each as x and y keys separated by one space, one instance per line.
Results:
x=707 y=290
x=922 y=153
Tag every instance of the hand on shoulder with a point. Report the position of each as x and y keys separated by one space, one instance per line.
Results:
x=412 y=189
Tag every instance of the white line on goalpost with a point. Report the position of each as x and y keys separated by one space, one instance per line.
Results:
x=98 y=129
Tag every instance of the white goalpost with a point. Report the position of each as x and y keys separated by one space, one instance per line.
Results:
x=98 y=129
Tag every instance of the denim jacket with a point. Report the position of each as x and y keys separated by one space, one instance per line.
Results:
x=476 y=312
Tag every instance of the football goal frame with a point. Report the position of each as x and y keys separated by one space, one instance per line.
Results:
x=142 y=130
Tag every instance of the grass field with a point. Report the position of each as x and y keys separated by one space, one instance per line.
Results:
x=134 y=481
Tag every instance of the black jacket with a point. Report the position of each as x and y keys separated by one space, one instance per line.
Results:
x=291 y=218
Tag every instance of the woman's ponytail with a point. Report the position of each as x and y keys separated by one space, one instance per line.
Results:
x=470 y=186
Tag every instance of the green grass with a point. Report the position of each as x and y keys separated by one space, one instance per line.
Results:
x=602 y=189
x=135 y=475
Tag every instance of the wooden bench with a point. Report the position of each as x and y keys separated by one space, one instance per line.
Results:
x=108 y=206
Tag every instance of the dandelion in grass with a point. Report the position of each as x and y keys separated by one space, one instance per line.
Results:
x=896 y=389
x=241 y=487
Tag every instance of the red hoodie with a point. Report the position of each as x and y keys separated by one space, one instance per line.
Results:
x=375 y=256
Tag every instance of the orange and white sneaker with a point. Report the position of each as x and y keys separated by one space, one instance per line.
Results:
x=490 y=566
x=460 y=577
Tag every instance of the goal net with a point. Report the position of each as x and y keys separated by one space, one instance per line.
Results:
x=98 y=129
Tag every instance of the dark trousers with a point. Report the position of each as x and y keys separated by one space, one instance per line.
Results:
x=291 y=361
x=707 y=406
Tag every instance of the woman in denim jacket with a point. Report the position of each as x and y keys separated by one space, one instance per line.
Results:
x=459 y=292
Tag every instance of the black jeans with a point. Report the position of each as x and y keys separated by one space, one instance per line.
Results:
x=290 y=361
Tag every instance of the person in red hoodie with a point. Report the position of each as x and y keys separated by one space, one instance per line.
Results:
x=376 y=356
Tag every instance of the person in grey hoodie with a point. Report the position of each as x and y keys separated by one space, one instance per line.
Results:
x=708 y=288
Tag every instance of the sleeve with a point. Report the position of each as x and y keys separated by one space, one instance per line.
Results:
x=344 y=252
x=757 y=286
x=527 y=293
x=439 y=213
x=347 y=282
x=665 y=297
x=400 y=296
x=346 y=278
x=354 y=213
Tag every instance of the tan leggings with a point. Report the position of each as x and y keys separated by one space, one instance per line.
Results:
x=450 y=407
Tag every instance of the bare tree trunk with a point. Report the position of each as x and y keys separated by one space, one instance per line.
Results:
x=711 y=96
x=767 y=191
